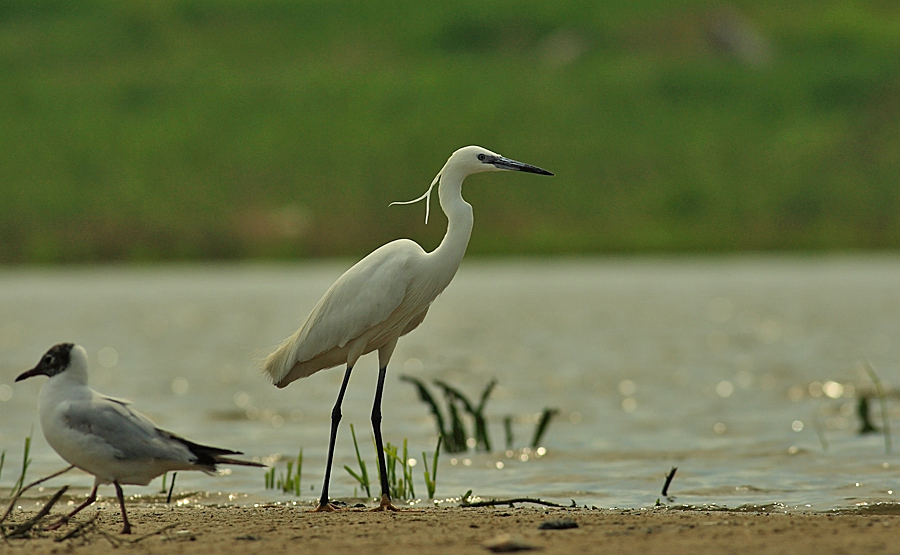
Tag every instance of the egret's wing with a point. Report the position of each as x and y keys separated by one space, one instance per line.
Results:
x=118 y=428
x=365 y=296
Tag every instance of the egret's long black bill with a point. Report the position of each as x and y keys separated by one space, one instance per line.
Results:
x=507 y=164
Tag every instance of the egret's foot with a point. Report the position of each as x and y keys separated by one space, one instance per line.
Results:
x=327 y=508
x=126 y=529
x=386 y=505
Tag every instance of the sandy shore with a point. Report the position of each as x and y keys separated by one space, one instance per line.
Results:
x=170 y=530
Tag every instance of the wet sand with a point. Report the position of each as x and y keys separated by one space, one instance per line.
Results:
x=225 y=530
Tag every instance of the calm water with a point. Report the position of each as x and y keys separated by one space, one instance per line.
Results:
x=742 y=372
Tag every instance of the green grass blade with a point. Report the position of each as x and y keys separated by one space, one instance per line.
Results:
x=288 y=482
x=882 y=401
x=26 y=461
x=482 y=440
x=542 y=426
x=363 y=476
x=484 y=396
x=451 y=392
x=391 y=468
x=457 y=437
x=407 y=471
x=356 y=476
x=426 y=397
x=299 y=467
x=480 y=433
x=431 y=477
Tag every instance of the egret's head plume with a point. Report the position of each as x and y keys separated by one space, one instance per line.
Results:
x=426 y=196
x=469 y=160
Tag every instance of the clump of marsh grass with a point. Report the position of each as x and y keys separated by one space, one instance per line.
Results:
x=453 y=395
x=455 y=439
x=449 y=421
x=399 y=469
x=400 y=482
x=288 y=482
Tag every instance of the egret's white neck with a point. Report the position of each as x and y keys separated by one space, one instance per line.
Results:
x=459 y=219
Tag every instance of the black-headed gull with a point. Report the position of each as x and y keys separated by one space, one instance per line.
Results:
x=105 y=436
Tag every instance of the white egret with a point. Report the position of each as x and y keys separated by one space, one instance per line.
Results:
x=106 y=437
x=382 y=297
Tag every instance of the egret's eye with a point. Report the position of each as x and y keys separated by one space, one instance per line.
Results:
x=48 y=359
x=482 y=157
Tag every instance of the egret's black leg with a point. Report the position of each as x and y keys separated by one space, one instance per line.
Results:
x=63 y=520
x=386 y=504
x=335 y=420
x=126 y=527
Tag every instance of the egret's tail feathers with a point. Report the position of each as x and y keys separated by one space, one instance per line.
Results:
x=292 y=359
x=281 y=360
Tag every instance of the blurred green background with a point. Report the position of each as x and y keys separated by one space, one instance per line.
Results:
x=221 y=129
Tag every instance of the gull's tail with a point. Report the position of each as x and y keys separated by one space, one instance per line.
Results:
x=208 y=457
x=227 y=460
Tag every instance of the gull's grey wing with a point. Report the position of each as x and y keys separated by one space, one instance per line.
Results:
x=129 y=434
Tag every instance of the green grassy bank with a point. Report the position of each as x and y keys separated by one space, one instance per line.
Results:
x=219 y=129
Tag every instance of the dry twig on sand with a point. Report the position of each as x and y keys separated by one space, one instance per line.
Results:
x=44 y=511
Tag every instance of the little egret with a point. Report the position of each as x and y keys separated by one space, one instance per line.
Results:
x=382 y=297
x=106 y=437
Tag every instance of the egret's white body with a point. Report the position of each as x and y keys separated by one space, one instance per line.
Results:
x=105 y=436
x=385 y=296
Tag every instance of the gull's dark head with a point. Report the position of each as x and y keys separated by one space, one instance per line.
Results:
x=55 y=361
